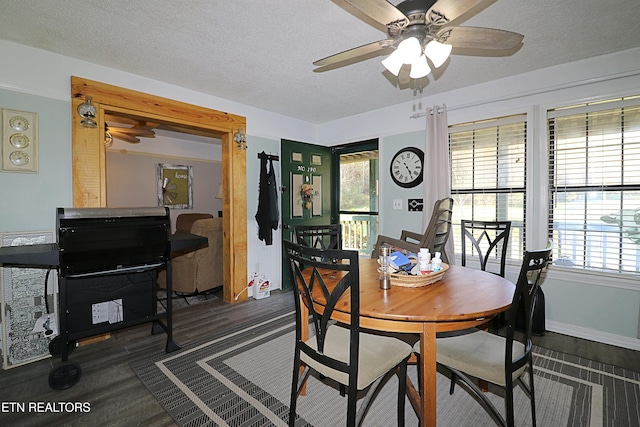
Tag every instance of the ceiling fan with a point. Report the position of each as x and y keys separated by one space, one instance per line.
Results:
x=417 y=30
x=132 y=134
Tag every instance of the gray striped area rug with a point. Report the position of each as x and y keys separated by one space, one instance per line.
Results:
x=242 y=378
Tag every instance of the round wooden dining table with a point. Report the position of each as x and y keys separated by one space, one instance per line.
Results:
x=463 y=298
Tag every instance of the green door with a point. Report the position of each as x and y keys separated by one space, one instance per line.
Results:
x=306 y=192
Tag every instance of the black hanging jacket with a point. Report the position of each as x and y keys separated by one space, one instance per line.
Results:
x=267 y=215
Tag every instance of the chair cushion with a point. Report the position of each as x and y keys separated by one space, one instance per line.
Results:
x=378 y=355
x=479 y=354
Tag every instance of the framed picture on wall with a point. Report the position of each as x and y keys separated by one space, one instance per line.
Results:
x=175 y=186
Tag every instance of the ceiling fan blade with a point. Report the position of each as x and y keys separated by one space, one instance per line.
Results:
x=478 y=38
x=146 y=125
x=356 y=54
x=445 y=11
x=380 y=11
x=123 y=136
x=135 y=131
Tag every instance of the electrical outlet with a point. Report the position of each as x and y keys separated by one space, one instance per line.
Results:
x=397 y=204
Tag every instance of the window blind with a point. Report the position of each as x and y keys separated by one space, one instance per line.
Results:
x=488 y=175
x=594 y=185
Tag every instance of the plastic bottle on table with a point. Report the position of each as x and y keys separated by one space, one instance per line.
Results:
x=436 y=263
x=424 y=261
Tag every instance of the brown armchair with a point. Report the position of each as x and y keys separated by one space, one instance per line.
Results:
x=199 y=270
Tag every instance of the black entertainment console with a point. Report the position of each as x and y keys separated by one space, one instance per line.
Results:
x=107 y=262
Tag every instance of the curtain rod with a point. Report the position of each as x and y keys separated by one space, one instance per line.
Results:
x=416 y=115
x=539 y=91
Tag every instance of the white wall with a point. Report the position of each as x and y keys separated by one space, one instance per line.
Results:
x=132 y=171
x=132 y=182
x=601 y=308
x=28 y=201
x=262 y=259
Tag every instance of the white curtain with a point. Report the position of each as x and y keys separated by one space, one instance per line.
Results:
x=437 y=170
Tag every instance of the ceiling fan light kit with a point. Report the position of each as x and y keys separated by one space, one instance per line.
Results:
x=437 y=52
x=409 y=51
x=421 y=29
x=394 y=62
x=420 y=68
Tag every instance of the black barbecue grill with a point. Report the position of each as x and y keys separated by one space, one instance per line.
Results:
x=106 y=260
x=99 y=240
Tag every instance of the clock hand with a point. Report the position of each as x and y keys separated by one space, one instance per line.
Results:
x=408 y=170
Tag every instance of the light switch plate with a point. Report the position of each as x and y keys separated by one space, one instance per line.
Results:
x=19 y=141
x=397 y=204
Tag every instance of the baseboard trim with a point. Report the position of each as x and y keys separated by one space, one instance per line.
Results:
x=593 y=335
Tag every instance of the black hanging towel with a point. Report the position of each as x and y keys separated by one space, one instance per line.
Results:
x=267 y=215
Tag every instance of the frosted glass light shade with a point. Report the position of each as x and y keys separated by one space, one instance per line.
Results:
x=419 y=68
x=437 y=52
x=408 y=51
x=393 y=62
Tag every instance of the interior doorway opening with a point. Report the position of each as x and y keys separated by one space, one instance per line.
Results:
x=89 y=163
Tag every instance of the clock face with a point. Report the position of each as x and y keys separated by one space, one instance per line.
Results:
x=406 y=167
x=19 y=158
x=19 y=140
x=19 y=123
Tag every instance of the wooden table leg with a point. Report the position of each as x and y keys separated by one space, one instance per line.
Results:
x=428 y=374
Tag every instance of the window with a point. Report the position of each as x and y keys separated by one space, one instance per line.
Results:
x=594 y=182
x=488 y=165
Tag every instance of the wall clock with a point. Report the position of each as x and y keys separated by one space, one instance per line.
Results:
x=407 y=167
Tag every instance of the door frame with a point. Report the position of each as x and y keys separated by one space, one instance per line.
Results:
x=336 y=152
x=89 y=160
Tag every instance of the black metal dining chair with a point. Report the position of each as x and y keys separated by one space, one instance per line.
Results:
x=327 y=236
x=487 y=242
x=499 y=359
x=343 y=353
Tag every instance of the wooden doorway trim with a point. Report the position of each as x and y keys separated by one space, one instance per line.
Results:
x=89 y=161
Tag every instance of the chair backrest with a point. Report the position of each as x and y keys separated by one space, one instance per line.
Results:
x=312 y=275
x=524 y=301
x=319 y=236
x=184 y=222
x=488 y=240
x=439 y=227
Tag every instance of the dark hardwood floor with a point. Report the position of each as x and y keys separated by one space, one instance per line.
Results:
x=116 y=396
x=605 y=353
x=114 y=393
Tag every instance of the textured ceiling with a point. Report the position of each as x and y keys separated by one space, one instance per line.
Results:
x=260 y=53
